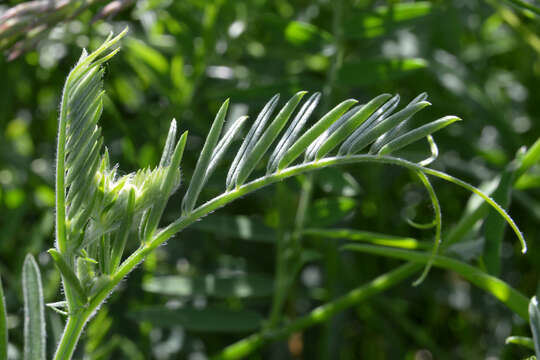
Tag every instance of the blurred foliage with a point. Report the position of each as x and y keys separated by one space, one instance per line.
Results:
x=212 y=284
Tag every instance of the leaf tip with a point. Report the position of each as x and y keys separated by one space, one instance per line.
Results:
x=29 y=259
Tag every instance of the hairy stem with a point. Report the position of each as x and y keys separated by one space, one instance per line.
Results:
x=71 y=335
x=77 y=321
x=240 y=191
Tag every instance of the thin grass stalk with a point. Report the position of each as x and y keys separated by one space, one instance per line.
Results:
x=320 y=314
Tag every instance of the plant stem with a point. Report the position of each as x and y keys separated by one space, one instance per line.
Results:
x=256 y=184
x=320 y=314
x=71 y=335
x=76 y=322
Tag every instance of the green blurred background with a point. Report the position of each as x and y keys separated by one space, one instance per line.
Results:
x=478 y=60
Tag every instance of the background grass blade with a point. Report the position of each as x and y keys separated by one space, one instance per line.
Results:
x=223 y=145
x=531 y=157
x=494 y=224
x=509 y=296
x=320 y=314
x=534 y=320
x=34 y=316
x=3 y=324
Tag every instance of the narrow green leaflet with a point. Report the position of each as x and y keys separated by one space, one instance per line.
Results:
x=224 y=144
x=417 y=134
x=200 y=174
x=3 y=324
x=360 y=141
x=395 y=132
x=509 y=296
x=169 y=145
x=534 y=319
x=68 y=275
x=292 y=132
x=34 y=316
x=254 y=156
x=313 y=133
x=251 y=139
x=313 y=148
x=382 y=113
x=168 y=184
x=351 y=124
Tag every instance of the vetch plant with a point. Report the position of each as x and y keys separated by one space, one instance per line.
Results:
x=98 y=212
